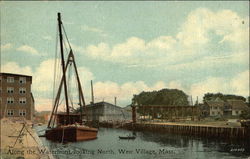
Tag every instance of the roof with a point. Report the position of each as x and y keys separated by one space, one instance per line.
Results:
x=12 y=74
x=128 y=107
x=102 y=104
x=237 y=104
x=215 y=103
x=65 y=114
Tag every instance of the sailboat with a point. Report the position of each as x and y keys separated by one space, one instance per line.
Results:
x=68 y=126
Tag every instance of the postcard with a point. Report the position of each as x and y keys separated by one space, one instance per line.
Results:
x=124 y=79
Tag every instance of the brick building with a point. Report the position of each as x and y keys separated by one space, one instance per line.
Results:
x=16 y=99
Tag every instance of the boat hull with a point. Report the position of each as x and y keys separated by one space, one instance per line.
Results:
x=127 y=137
x=71 y=134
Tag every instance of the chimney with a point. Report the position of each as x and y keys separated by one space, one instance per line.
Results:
x=92 y=93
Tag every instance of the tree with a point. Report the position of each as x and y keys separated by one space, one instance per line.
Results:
x=224 y=97
x=248 y=101
x=245 y=114
x=168 y=97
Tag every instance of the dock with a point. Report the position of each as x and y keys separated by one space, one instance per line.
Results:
x=225 y=132
x=19 y=140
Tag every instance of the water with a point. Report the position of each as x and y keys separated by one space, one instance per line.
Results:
x=148 y=145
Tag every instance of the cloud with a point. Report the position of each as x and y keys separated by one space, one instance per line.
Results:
x=239 y=85
x=192 y=47
x=224 y=23
x=211 y=85
x=43 y=104
x=43 y=79
x=101 y=50
x=107 y=90
x=214 y=61
x=42 y=85
x=124 y=92
x=44 y=75
x=13 y=67
x=175 y=85
x=135 y=51
x=6 y=46
x=85 y=75
x=194 y=42
x=77 y=49
x=28 y=49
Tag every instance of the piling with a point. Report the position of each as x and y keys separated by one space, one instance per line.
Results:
x=242 y=133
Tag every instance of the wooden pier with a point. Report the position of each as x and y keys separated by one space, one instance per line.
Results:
x=193 y=130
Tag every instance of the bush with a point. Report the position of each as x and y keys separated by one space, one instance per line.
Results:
x=245 y=114
x=219 y=118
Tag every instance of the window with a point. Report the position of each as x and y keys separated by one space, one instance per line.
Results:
x=236 y=112
x=10 y=112
x=10 y=79
x=10 y=100
x=22 y=100
x=10 y=89
x=22 y=90
x=22 y=112
x=22 y=80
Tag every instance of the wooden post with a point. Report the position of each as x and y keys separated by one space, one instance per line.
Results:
x=134 y=114
x=143 y=112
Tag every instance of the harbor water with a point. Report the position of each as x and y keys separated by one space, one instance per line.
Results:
x=147 y=145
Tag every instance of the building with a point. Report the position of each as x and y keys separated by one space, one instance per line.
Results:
x=219 y=107
x=42 y=117
x=236 y=106
x=204 y=110
x=104 y=111
x=16 y=98
x=216 y=107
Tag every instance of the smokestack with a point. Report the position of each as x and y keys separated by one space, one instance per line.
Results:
x=92 y=93
x=115 y=100
x=191 y=100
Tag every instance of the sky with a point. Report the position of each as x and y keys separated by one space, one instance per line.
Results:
x=130 y=47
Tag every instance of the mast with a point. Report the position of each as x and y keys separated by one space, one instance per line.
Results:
x=81 y=98
x=63 y=64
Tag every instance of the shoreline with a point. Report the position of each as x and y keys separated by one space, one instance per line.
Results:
x=19 y=139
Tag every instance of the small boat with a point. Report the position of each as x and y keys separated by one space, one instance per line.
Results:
x=127 y=137
x=68 y=126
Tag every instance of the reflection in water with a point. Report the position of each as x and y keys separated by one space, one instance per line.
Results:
x=232 y=147
x=148 y=145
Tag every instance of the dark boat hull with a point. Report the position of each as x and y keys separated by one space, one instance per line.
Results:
x=71 y=134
